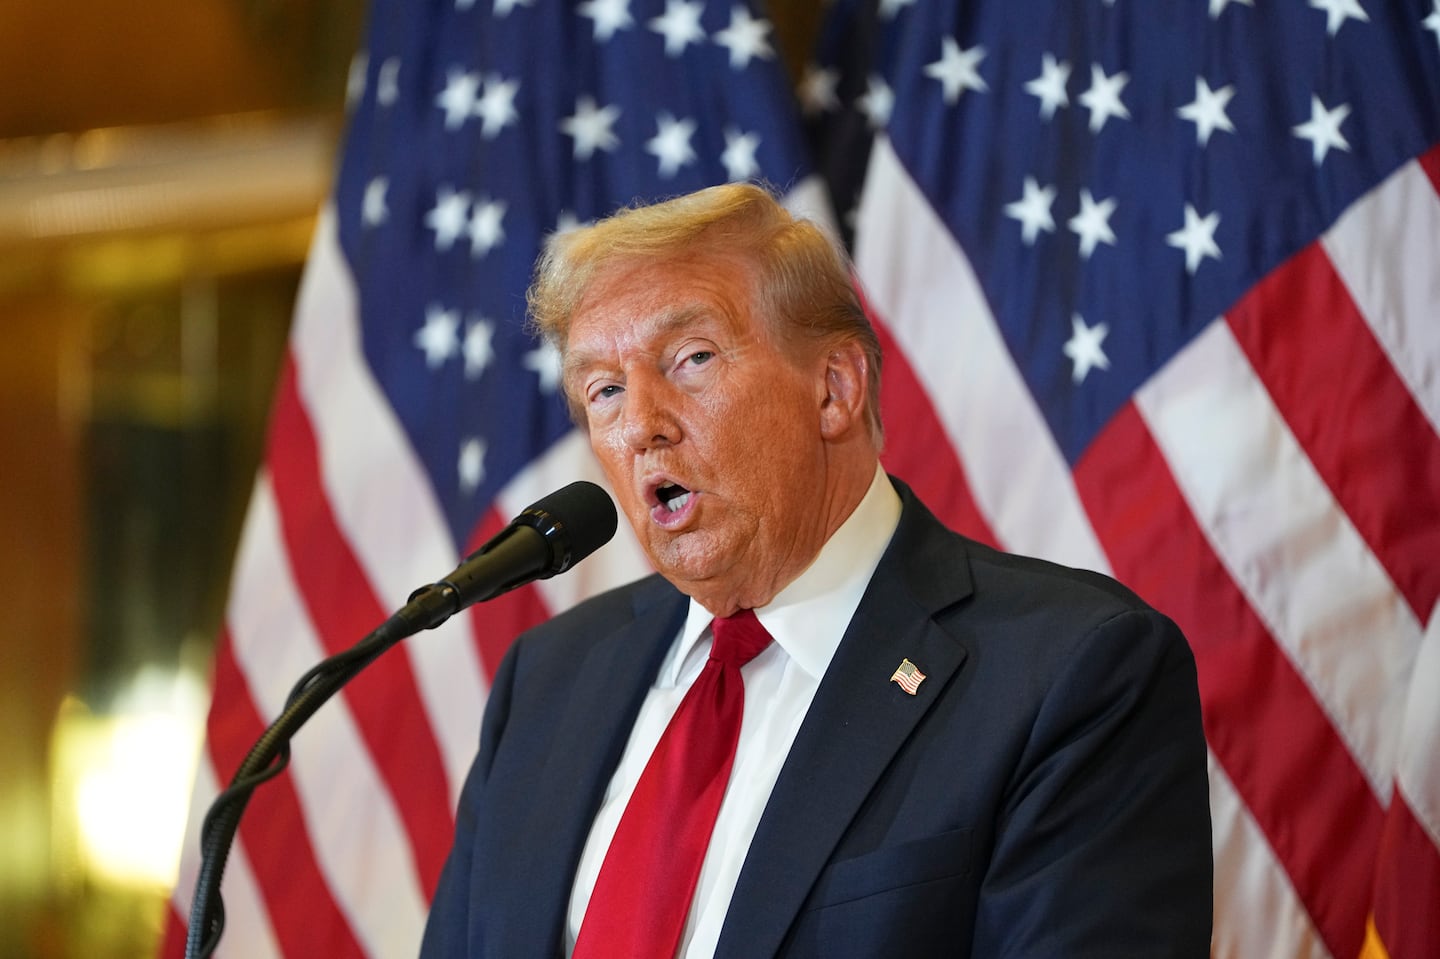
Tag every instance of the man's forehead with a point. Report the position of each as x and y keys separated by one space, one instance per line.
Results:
x=595 y=338
x=594 y=343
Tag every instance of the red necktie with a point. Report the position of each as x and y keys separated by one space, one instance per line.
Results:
x=648 y=878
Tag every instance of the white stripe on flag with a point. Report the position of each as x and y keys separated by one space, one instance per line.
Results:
x=926 y=292
x=1258 y=914
x=381 y=496
x=1418 y=774
x=1385 y=248
x=1282 y=537
x=360 y=845
x=810 y=198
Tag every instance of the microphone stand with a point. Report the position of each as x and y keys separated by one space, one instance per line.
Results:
x=427 y=608
x=538 y=544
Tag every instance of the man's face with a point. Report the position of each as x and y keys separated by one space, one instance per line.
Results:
x=709 y=435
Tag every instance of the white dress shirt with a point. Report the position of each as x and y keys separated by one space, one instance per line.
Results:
x=807 y=620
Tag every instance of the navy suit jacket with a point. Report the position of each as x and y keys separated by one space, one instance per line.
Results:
x=1043 y=794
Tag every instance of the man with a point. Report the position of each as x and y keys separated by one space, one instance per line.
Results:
x=945 y=751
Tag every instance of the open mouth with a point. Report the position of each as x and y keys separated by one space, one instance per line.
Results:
x=672 y=497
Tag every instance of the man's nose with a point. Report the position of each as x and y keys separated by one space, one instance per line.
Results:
x=649 y=418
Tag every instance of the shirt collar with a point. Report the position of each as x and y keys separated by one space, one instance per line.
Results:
x=809 y=616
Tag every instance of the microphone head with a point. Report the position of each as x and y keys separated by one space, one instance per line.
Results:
x=575 y=521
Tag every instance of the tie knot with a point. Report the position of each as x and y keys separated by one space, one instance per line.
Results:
x=738 y=638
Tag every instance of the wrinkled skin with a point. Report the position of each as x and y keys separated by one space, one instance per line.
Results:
x=683 y=388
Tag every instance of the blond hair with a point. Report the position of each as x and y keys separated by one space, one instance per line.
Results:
x=802 y=288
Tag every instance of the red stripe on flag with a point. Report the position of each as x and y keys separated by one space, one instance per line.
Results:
x=305 y=917
x=1363 y=431
x=497 y=622
x=1279 y=748
x=1407 y=917
x=1430 y=163
x=384 y=699
x=917 y=449
x=173 y=945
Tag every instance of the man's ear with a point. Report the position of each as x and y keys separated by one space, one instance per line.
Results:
x=847 y=381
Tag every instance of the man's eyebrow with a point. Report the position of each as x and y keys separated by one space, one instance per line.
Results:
x=578 y=358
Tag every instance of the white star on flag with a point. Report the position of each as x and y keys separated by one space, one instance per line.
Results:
x=591 y=127
x=1092 y=223
x=957 y=70
x=1084 y=348
x=496 y=105
x=1033 y=210
x=817 y=89
x=503 y=7
x=671 y=144
x=479 y=347
x=739 y=155
x=1432 y=22
x=1196 y=238
x=544 y=362
x=458 y=97
x=1207 y=110
x=387 y=90
x=472 y=464
x=447 y=218
x=1049 y=86
x=890 y=9
x=609 y=16
x=566 y=222
x=1218 y=6
x=1323 y=129
x=373 y=208
x=1103 y=97
x=486 y=231
x=355 y=78
x=1338 y=11
x=877 y=102
x=679 y=25
x=439 y=337
x=745 y=38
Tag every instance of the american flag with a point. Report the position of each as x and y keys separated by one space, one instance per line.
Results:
x=1159 y=285
x=908 y=677
x=1161 y=288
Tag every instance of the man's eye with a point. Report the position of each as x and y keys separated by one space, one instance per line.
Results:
x=605 y=392
x=701 y=356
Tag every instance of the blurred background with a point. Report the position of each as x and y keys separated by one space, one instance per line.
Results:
x=161 y=165
x=160 y=168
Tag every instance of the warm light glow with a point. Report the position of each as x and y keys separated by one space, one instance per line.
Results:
x=131 y=800
x=130 y=774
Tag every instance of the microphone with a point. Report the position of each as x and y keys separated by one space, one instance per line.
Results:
x=548 y=537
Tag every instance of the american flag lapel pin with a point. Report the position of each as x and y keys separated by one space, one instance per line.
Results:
x=908 y=677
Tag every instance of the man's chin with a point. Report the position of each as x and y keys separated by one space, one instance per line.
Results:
x=685 y=559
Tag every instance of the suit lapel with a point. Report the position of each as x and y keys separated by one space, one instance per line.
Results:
x=856 y=724
x=595 y=725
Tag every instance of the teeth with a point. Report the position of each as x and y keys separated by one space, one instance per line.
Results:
x=678 y=503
